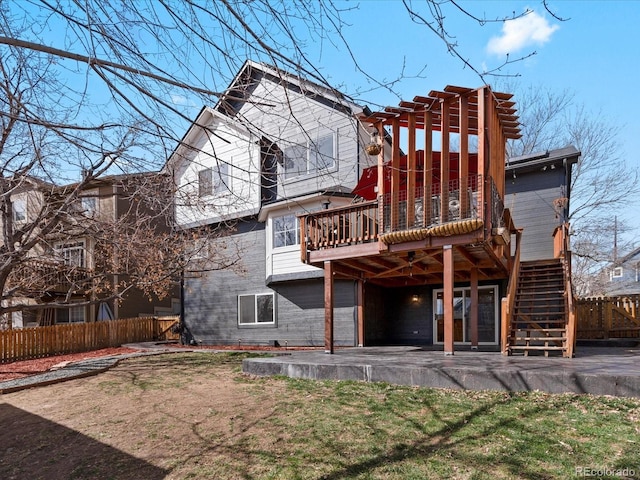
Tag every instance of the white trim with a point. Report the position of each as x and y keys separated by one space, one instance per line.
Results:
x=307 y=146
x=80 y=245
x=255 y=309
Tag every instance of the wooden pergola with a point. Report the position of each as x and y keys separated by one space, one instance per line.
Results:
x=439 y=218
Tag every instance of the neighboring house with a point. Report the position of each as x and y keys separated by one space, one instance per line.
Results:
x=405 y=246
x=623 y=275
x=63 y=260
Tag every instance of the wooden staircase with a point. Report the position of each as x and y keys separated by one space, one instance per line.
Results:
x=540 y=318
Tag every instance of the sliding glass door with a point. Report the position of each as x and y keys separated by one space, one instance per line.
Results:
x=487 y=315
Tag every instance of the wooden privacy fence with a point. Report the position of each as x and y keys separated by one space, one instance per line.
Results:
x=38 y=342
x=608 y=317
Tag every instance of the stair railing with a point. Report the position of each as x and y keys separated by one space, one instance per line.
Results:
x=561 y=240
x=508 y=302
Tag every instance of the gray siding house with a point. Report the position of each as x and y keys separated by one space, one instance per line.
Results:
x=537 y=194
x=277 y=147
x=274 y=146
x=622 y=277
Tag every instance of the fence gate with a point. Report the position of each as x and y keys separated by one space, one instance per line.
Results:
x=608 y=317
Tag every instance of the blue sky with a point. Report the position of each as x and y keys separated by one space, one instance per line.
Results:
x=595 y=54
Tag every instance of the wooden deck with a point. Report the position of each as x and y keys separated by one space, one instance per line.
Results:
x=409 y=251
x=432 y=217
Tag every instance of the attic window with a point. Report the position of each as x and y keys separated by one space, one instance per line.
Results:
x=205 y=182
x=316 y=155
x=216 y=179
x=617 y=272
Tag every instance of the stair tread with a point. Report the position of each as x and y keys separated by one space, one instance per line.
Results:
x=538 y=339
x=536 y=347
x=550 y=330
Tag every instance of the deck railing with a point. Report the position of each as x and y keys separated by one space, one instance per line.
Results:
x=508 y=302
x=430 y=206
x=364 y=222
x=37 y=275
x=349 y=225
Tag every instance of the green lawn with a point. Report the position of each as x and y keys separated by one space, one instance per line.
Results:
x=198 y=416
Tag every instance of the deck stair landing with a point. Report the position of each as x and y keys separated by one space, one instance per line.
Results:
x=539 y=323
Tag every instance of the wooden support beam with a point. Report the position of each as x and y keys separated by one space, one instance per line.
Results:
x=380 y=186
x=411 y=171
x=360 y=311
x=328 y=306
x=448 y=274
x=395 y=173
x=427 y=173
x=380 y=128
x=444 y=163
x=463 y=170
x=474 y=309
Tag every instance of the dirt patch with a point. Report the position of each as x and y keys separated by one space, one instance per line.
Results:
x=147 y=418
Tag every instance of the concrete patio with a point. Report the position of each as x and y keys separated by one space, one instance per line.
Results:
x=594 y=370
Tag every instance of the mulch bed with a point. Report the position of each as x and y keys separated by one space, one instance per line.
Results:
x=24 y=368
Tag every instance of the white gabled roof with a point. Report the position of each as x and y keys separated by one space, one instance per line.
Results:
x=203 y=122
x=282 y=77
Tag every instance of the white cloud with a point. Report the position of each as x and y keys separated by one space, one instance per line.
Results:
x=179 y=100
x=530 y=29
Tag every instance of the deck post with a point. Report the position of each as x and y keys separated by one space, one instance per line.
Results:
x=328 y=306
x=447 y=260
x=360 y=311
x=473 y=318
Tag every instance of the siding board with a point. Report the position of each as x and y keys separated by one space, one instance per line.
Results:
x=211 y=303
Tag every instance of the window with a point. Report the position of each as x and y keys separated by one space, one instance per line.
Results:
x=221 y=178
x=216 y=179
x=256 y=309
x=321 y=154
x=286 y=231
x=314 y=156
x=73 y=254
x=70 y=315
x=205 y=182
x=617 y=272
x=89 y=205
x=19 y=210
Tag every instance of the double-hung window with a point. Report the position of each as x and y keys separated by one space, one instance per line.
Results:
x=315 y=155
x=221 y=178
x=286 y=231
x=256 y=309
x=89 y=205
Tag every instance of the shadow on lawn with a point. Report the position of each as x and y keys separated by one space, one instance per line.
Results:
x=32 y=447
x=446 y=440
